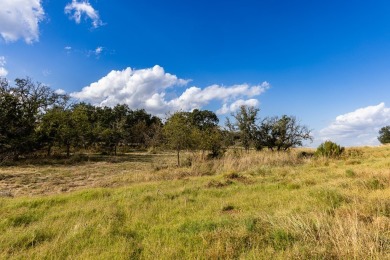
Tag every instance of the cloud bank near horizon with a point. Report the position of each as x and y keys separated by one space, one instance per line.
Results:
x=154 y=90
x=359 y=127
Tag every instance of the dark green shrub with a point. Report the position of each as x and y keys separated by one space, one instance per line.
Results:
x=384 y=135
x=305 y=155
x=228 y=208
x=217 y=152
x=233 y=175
x=330 y=150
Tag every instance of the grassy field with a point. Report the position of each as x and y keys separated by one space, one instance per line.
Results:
x=140 y=206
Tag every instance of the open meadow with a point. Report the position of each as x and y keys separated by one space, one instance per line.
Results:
x=259 y=205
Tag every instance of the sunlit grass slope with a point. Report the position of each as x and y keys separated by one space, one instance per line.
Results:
x=257 y=206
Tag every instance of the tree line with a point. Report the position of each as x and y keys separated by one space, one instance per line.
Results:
x=35 y=119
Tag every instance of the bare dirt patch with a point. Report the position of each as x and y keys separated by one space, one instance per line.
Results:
x=35 y=179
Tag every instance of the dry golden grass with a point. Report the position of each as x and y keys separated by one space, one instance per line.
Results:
x=34 y=179
x=259 y=205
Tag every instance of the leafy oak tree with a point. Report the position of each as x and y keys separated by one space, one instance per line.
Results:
x=281 y=133
x=180 y=133
x=245 y=124
x=209 y=135
x=22 y=108
x=384 y=135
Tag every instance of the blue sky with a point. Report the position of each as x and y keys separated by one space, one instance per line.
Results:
x=327 y=63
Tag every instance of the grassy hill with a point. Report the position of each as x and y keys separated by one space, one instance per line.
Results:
x=252 y=206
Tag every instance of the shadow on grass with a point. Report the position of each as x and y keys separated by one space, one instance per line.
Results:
x=81 y=159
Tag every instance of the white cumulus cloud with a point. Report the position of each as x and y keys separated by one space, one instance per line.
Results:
x=236 y=105
x=132 y=87
x=195 y=97
x=150 y=89
x=359 y=127
x=20 y=19
x=76 y=9
x=3 y=71
x=60 y=91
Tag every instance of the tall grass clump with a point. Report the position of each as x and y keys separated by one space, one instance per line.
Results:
x=329 y=149
x=256 y=205
x=238 y=161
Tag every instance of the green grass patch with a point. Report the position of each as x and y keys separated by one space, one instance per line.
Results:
x=256 y=206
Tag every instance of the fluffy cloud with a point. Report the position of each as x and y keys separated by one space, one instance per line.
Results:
x=60 y=91
x=236 y=105
x=195 y=97
x=76 y=9
x=359 y=127
x=20 y=19
x=133 y=87
x=3 y=71
x=150 y=89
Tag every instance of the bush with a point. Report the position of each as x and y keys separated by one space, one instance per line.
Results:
x=330 y=150
x=305 y=155
x=384 y=135
x=216 y=153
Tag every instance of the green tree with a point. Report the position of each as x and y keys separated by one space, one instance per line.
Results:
x=11 y=121
x=208 y=135
x=67 y=130
x=245 y=125
x=49 y=128
x=384 y=135
x=203 y=119
x=88 y=122
x=140 y=128
x=265 y=135
x=111 y=127
x=23 y=106
x=281 y=133
x=66 y=127
x=212 y=140
x=179 y=133
x=154 y=135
